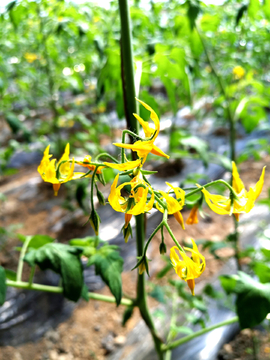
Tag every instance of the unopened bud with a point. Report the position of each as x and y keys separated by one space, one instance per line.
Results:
x=162 y=248
x=100 y=196
x=127 y=232
x=94 y=220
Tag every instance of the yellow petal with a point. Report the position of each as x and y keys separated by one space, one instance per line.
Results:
x=193 y=217
x=125 y=166
x=139 y=208
x=172 y=204
x=153 y=117
x=115 y=195
x=156 y=151
x=179 y=193
x=148 y=131
x=218 y=203
x=150 y=204
x=237 y=183
x=178 y=216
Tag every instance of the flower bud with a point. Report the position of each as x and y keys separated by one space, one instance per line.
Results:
x=162 y=248
x=94 y=221
x=100 y=196
x=127 y=232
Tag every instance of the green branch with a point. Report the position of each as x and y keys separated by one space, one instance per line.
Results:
x=187 y=338
x=59 y=290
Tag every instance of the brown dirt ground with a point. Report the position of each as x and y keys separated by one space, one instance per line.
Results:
x=82 y=336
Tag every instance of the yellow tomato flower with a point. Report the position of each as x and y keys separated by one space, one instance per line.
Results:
x=59 y=173
x=193 y=216
x=143 y=148
x=173 y=205
x=245 y=199
x=136 y=201
x=238 y=72
x=188 y=269
x=129 y=165
x=30 y=57
x=87 y=163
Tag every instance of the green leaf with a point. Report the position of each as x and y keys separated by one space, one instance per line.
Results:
x=158 y=294
x=253 y=8
x=253 y=298
x=211 y=292
x=228 y=283
x=266 y=9
x=84 y=294
x=262 y=271
x=253 y=301
x=109 y=265
x=3 y=286
x=193 y=12
x=37 y=241
x=127 y=314
x=240 y=14
x=11 y=275
x=64 y=260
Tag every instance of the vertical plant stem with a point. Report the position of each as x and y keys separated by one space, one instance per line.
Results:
x=231 y=120
x=22 y=254
x=50 y=77
x=130 y=106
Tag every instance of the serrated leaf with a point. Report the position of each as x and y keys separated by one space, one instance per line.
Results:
x=3 y=286
x=109 y=265
x=36 y=241
x=64 y=260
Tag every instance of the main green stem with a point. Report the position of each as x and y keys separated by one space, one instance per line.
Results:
x=128 y=84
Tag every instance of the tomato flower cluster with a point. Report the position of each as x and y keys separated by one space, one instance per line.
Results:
x=137 y=196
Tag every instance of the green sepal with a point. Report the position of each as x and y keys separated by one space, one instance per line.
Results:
x=127 y=232
x=101 y=178
x=65 y=261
